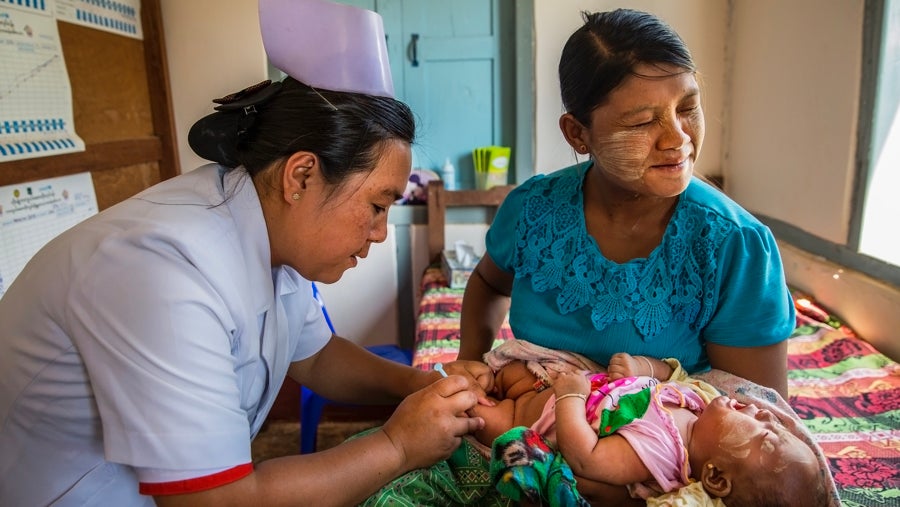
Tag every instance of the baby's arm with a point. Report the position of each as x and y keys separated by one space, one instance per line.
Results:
x=610 y=459
x=625 y=365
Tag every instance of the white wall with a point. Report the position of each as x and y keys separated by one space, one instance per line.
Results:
x=214 y=49
x=701 y=23
x=363 y=303
x=794 y=102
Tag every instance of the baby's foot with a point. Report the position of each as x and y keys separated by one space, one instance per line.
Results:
x=625 y=365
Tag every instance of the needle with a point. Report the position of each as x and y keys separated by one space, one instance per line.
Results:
x=439 y=367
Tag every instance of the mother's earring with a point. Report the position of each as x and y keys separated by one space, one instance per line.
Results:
x=295 y=196
x=583 y=148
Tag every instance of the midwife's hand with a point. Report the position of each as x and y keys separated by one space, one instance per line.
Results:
x=479 y=374
x=429 y=424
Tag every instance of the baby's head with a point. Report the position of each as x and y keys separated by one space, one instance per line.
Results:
x=745 y=456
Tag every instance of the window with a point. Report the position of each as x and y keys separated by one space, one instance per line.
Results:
x=878 y=231
x=873 y=244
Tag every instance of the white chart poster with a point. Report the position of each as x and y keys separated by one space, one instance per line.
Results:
x=117 y=16
x=36 y=118
x=33 y=213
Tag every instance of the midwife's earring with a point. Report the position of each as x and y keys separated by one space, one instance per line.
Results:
x=583 y=147
x=710 y=466
x=295 y=196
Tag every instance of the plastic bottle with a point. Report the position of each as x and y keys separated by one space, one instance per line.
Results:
x=448 y=174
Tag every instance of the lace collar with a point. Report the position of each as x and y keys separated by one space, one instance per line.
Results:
x=557 y=253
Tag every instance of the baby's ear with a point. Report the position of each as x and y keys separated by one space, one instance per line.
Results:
x=716 y=481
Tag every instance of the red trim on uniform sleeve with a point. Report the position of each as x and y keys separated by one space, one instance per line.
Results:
x=196 y=484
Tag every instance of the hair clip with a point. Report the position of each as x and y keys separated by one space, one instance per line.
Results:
x=217 y=136
x=245 y=102
x=248 y=98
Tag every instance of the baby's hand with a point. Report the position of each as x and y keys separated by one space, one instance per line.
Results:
x=479 y=374
x=625 y=365
x=568 y=382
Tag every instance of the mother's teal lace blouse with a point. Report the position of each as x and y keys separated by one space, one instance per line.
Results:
x=717 y=276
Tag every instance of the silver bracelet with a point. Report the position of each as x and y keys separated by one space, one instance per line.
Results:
x=649 y=364
x=583 y=397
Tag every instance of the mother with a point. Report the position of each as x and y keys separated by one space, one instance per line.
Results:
x=630 y=251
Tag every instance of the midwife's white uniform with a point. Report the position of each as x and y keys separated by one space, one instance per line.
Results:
x=147 y=344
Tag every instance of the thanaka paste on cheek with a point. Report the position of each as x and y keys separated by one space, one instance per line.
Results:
x=793 y=451
x=696 y=127
x=736 y=442
x=769 y=448
x=696 y=123
x=622 y=154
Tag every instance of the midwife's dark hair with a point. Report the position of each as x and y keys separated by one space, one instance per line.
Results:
x=606 y=49
x=269 y=122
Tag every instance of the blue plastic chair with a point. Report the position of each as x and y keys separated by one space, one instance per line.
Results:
x=312 y=405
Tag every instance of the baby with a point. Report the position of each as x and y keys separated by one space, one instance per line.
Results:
x=635 y=425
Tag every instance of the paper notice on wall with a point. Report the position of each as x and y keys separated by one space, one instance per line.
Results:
x=33 y=213
x=36 y=118
x=122 y=17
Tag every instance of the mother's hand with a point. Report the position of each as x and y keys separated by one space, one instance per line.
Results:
x=429 y=424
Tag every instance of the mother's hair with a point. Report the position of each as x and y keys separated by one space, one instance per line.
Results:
x=266 y=124
x=606 y=49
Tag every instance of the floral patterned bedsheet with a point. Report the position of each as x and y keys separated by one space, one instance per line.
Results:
x=848 y=395
x=846 y=392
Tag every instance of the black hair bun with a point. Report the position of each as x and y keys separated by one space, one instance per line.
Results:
x=218 y=136
x=214 y=137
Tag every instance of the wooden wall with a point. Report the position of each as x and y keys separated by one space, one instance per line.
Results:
x=122 y=110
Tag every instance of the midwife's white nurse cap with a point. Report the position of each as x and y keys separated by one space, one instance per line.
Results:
x=327 y=45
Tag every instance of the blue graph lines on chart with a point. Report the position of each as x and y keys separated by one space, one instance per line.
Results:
x=40 y=5
x=21 y=79
x=117 y=7
x=31 y=126
x=106 y=21
x=109 y=14
x=53 y=130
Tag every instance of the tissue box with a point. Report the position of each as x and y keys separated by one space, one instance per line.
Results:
x=456 y=274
